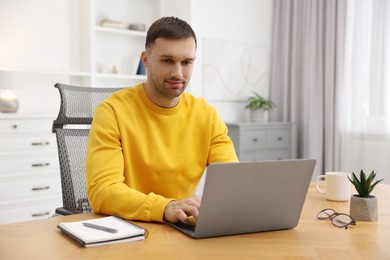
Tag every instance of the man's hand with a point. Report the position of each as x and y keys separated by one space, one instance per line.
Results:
x=181 y=210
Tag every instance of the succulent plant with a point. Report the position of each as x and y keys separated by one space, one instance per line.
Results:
x=365 y=185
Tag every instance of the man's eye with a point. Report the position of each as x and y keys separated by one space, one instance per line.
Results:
x=187 y=62
x=167 y=61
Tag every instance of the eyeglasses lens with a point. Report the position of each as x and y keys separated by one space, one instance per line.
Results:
x=342 y=220
x=325 y=214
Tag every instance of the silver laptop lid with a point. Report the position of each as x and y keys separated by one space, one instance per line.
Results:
x=251 y=197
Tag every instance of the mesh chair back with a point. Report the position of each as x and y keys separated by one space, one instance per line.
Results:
x=78 y=103
x=77 y=107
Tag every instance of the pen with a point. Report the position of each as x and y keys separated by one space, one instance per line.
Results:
x=106 y=229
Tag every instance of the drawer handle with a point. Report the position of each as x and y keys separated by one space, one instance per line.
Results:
x=255 y=140
x=280 y=138
x=41 y=214
x=40 y=188
x=15 y=126
x=40 y=143
x=40 y=164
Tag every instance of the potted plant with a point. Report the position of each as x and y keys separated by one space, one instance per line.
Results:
x=257 y=106
x=364 y=206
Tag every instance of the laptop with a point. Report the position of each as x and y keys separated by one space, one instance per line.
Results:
x=248 y=197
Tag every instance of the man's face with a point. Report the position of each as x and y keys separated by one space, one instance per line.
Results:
x=169 y=64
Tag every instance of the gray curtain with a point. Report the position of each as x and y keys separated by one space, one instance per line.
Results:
x=306 y=62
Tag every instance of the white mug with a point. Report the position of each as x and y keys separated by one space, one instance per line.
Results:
x=338 y=187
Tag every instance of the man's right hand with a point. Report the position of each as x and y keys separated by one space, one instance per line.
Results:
x=181 y=210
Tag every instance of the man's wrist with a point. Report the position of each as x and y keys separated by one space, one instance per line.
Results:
x=165 y=210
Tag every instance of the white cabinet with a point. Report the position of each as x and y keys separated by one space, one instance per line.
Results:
x=263 y=141
x=30 y=186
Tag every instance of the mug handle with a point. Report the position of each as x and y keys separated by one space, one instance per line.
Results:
x=320 y=178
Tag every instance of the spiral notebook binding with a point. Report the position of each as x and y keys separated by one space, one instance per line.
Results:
x=132 y=224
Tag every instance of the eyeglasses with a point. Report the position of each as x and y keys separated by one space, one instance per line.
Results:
x=340 y=220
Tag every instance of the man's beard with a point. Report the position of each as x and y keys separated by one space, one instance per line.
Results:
x=166 y=92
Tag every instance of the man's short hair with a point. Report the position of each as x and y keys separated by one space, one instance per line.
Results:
x=170 y=28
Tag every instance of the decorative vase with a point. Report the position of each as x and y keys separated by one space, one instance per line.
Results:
x=8 y=102
x=363 y=209
x=257 y=115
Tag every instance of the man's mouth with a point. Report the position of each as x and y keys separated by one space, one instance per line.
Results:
x=175 y=83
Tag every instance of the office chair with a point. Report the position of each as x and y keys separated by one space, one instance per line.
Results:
x=72 y=129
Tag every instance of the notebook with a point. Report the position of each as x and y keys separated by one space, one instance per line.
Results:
x=249 y=197
x=119 y=231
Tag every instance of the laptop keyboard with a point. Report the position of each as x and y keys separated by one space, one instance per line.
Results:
x=187 y=229
x=185 y=226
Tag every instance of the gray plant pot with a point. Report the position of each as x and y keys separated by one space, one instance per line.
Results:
x=258 y=115
x=363 y=209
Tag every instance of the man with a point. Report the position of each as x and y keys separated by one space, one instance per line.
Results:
x=149 y=145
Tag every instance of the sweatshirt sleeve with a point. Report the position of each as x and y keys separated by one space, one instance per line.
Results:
x=221 y=147
x=107 y=192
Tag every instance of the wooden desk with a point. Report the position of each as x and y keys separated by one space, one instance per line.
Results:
x=311 y=239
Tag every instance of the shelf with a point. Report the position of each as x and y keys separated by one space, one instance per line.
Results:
x=121 y=76
x=47 y=72
x=120 y=31
x=28 y=115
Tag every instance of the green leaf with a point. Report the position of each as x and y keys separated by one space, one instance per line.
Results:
x=364 y=186
x=362 y=176
x=259 y=102
x=355 y=179
x=373 y=186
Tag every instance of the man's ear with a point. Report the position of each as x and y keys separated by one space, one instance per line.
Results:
x=144 y=58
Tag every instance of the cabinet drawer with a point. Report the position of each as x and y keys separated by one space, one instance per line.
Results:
x=263 y=141
x=32 y=188
x=36 y=163
x=254 y=139
x=278 y=138
x=265 y=155
x=28 y=143
x=39 y=209
x=12 y=126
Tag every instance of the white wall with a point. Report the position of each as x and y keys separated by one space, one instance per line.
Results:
x=30 y=29
x=37 y=35
x=246 y=21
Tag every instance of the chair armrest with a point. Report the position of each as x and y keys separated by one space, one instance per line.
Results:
x=64 y=212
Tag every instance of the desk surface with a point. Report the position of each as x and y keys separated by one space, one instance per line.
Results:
x=311 y=239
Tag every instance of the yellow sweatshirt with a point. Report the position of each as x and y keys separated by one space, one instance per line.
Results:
x=141 y=156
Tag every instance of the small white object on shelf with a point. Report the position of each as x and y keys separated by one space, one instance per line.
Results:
x=104 y=69
x=112 y=24
x=137 y=27
x=114 y=70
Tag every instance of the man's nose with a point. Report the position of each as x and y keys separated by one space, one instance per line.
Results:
x=177 y=71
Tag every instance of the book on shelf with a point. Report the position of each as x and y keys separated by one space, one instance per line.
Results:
x=112 y=24
x=102 y=231
x=138 y=67
x=141 y=68
x=137 y=60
